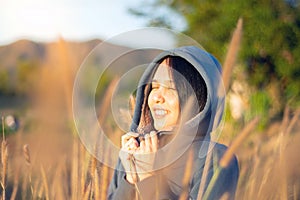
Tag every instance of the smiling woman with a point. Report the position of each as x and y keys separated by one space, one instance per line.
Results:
x=177 y=104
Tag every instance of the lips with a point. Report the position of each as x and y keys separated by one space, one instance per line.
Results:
x=160 y=113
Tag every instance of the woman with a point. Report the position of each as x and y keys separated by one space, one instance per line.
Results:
x=165 y=156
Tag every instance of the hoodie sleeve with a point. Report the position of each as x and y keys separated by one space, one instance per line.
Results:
x=154 y=187
x=119 y=188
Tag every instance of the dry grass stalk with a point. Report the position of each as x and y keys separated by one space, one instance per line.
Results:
x=225 y=196
x=87 y=192
x=95 y=167
x=295 y=193
x=285 y=120
x=57 y=189
x=232 y=54
x=293 y=121
x=205 y=172
x=39 y=190
x=104 y=178
x=96 y=184
x=107 y=99
x=282 y=144
x=64 y=173
x=16 y=183
x=264 y=182
x=83 y=172
x=187 y=175
x=67 y=74
x=204 y=176
x=227 y=157
x=254 y=168
x=45 y=182
x=285 y=131
x=74 y=173
x=26 y=154
x=4 y=161
x=225 y=160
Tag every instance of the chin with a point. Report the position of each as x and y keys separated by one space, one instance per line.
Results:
x=160 y=126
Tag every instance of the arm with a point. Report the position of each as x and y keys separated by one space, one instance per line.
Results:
x=153 y=187
x=119 y=188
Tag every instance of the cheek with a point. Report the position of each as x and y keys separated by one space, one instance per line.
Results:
x=173 y=102
x=150 y=100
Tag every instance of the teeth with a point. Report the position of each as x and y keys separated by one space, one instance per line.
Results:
x=160 y=112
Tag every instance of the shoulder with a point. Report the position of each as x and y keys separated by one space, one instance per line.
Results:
x=215 y=151
x=220 y=149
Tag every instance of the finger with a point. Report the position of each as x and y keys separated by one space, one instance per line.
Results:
x=133 y=134
x=147 y=143
x=127 y=136
x=124 y=140
x=132 y=144
x=154 y=140
x=142 y=146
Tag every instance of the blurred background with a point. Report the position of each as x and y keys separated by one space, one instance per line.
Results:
x=43 y=43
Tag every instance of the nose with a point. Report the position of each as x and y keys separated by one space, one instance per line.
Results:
x=158 y=97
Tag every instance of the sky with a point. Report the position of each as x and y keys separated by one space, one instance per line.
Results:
x=46 y=20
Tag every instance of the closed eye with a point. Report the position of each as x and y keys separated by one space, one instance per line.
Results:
x=168 y=85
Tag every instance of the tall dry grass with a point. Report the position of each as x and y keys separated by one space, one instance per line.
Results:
x=51 y=163
x=4 y=159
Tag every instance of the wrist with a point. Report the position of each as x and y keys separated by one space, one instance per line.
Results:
x=130 y=179
x=144 y=176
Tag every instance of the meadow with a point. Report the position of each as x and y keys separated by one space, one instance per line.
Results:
x=46 y=159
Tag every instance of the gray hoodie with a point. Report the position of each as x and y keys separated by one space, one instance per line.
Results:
x=192 y=142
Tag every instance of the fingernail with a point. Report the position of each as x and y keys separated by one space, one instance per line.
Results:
x=152 y=133
x=141 y=138
x=133 y=134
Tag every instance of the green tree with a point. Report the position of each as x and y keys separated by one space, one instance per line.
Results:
x=270 y=50
x=26 y=76
x=4 y=82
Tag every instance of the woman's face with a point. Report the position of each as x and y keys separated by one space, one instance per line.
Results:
x=163 y=99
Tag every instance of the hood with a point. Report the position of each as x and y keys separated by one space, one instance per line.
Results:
x=210 y=69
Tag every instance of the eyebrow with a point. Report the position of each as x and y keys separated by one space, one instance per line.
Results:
x=167 y=81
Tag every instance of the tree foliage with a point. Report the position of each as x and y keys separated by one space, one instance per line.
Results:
x=270 y=50
x=3 y=82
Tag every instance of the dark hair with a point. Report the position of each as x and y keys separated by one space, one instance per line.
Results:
x=193 y=85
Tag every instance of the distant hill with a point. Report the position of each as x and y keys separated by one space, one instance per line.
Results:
x=21 y=63
x=36 y=51
x=19 y=60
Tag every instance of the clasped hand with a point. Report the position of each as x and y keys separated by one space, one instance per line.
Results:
x=138 y=158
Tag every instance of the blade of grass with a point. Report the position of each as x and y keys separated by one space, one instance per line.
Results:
x=45 y=182
x=4 y=160
x=227 y=157
x=232 y=53
x=186 y=177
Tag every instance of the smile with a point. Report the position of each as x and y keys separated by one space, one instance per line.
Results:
x=160 y=113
